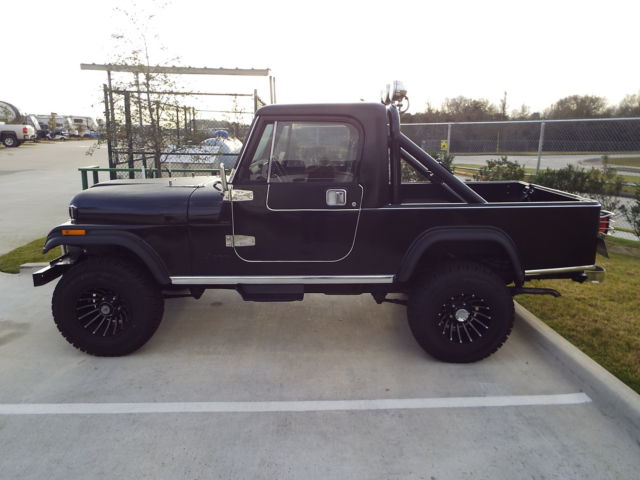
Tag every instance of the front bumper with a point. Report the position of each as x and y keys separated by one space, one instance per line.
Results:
x=52 y=271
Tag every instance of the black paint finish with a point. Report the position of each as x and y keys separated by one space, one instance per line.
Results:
x=184 y=222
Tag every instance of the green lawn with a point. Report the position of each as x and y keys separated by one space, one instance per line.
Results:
x=602 y=320
x=625 y=161
x=31 y=252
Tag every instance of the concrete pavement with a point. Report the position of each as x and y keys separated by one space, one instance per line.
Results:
x=239 y=355
x=37 y=182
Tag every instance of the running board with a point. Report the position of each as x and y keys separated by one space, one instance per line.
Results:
x=271 y=293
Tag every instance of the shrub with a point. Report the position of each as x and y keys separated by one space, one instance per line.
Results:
x=503 y=169
x=410 y=175
x=603 y=185
x=632 y=212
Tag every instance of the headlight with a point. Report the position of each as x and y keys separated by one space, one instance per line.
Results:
x=394 y=92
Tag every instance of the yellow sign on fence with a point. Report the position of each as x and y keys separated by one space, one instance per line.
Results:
x=444 y=145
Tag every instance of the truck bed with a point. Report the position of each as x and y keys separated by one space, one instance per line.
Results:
x=492 y=192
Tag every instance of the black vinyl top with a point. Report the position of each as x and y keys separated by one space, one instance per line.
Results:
x=362 y=111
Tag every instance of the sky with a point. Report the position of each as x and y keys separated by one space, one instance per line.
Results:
x=329 y=51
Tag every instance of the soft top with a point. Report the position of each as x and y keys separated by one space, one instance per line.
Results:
x=362 y=111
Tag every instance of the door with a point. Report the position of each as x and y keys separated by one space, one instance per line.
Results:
x=306 y=201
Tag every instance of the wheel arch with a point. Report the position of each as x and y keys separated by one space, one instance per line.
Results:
x=109 y=241
x=468 y=243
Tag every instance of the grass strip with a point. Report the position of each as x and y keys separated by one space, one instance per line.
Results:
x=31 y=252
x=625 y=242
x=602 y=320
x=624 y=161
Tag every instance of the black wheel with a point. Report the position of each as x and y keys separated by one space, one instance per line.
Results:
x=10 y=141
x=107 y=307
x=461 y=313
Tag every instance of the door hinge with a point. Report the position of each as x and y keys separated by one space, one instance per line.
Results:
x=238 y=195
x=239 y=241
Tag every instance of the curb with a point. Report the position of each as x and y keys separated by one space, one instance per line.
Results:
x=615 y=399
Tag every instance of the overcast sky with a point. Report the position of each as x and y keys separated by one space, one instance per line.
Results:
x=326 y=51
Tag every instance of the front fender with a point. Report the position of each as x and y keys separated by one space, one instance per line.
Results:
x=111 y=238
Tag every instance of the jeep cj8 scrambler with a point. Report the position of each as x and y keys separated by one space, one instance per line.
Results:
x=315 y=204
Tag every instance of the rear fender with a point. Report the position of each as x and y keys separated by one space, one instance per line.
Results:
x=440 y=236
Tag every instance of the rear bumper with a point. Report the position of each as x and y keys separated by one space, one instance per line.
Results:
x=590 y=273
x=596 y=275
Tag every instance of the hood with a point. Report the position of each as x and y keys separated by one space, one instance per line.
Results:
x=140 y=202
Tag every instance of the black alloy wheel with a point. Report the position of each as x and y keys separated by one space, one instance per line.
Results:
x=103 y=312
x=460 y=313
x=106 y=306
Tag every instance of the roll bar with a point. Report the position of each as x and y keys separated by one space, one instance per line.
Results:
x=401 y=146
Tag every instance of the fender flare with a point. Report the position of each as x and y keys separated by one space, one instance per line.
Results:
x=134 y=244
x=438 y=235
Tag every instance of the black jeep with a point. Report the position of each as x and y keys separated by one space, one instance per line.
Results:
x=315 y=204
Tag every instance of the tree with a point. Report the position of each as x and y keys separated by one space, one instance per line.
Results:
x=464 y=109
x=53 y=123
x=503 y=107
x=155 y=111
x=579 y=106
x=524 y=113
x=629 y=106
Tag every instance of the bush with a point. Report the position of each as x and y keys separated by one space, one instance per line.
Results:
x=445 y=159
x=603 y=185
x=632 y=213
x=503 y=169
x=410 y=175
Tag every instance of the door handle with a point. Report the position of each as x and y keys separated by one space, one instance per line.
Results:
x=336 y=197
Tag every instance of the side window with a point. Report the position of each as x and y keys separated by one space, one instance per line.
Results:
x=257 y=170
x=314 y=152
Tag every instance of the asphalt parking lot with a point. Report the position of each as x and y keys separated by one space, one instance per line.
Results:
x=331 y=387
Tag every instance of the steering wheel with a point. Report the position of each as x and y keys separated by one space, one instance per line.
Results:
x=277 y=170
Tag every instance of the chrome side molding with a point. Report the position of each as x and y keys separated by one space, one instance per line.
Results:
x=283 y=280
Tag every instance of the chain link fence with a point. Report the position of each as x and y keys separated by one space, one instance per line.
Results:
x=529 y=137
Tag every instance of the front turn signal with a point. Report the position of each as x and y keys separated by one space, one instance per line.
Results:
x=74 y=233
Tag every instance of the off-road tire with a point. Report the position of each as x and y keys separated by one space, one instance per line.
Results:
x=460 y=313
x=106 y=306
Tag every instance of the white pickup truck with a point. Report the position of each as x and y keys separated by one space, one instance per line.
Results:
x=14 y=135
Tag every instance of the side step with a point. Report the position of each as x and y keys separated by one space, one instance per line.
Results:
x=271 y=293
